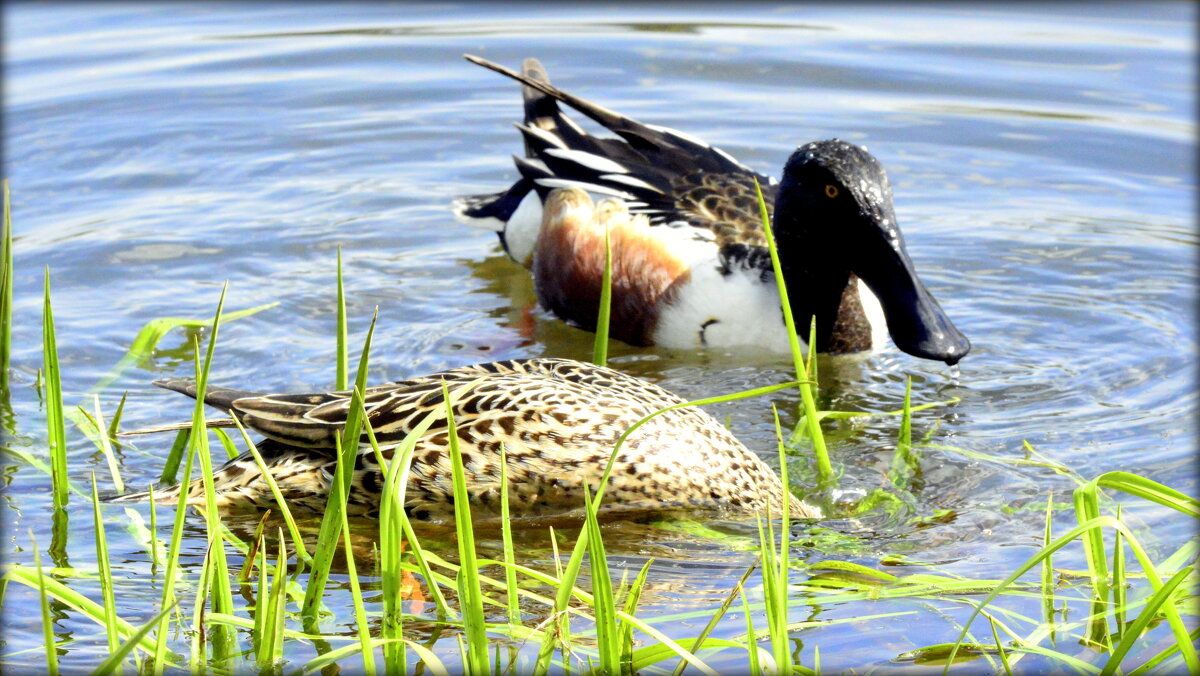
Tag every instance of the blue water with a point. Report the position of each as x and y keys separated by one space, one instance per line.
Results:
x=1043 y=165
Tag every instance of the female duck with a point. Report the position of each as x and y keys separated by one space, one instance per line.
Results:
x=557 y=419
x=693 y=268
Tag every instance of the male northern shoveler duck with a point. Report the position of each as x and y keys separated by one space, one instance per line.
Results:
x=558 y=420
x=691 y=263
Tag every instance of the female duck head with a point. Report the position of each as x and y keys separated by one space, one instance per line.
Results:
x=833 y=218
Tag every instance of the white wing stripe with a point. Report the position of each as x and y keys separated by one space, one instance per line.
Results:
x=729 y=157
x=630 y=180
x=542 y=134
x=588 y=160
x=678 y=134
x=587 y=187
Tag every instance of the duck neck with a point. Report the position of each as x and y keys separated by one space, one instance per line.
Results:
x=814 y=271
x=813 y=291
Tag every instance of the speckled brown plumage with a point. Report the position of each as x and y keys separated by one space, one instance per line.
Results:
x=725 y=203
x=557 y=419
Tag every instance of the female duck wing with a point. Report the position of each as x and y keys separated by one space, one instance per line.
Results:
x=313 y=420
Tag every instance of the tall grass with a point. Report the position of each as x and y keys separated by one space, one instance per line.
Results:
x=197 y=436
x=56 y=432
x=339 y=490
x=1136 y=594
x=804 y=372
x=470 y=593
x=600 y=346
x=6 y=290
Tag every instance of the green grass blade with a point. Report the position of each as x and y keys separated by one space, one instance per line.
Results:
x=779 y=588
x=788 y=319
x=755 y=667
x=343 y=355
x=510 y=573
x=392 y=519
x=1150 y=490
x=155 y=558
x=803 y=373
x=571 y=570
x=47 y=624
x=112 y=663
x=1000 y=649
x=83 y=605
x=114 y=427
x=904 y=463
x=429 y=659
x=360 y=612
x=199 y=640
x=148 y=337
x=269 y=616
x=1048 y=569
x=174 y=457
x=231 y=451
x=1171 y=651
x=675 y=647
x=6 y=296
x=394 y=530
x=1161 y=598
x=262 y=592
x=470 y=593
x=1087 y=507
x=812 y=420
x=326 y=546
x=1119 y=583
x=106 y=580
x=607 y=637
x=56 y=433
x=653 y=654
x=280 y=502
x=168 y=581
x=631 y=602
x=395 y=486
x=716 y=618
x=223 y=638
x=600 y=347
x=506 y=538
x=1172 y=615
x=105 y=438
x=278 y=601
x=331 y=521
x=332 y=657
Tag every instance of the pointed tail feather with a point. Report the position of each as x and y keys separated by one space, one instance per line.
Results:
x=220 y=398
x=659 y=146
x=541 y=111
x=598 y=113
x=167 y=494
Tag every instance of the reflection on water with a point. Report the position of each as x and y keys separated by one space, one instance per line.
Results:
x=1042 y=165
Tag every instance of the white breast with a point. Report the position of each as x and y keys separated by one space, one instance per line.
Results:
x=738 y=309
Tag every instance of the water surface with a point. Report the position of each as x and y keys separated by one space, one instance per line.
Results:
x=1042 y=160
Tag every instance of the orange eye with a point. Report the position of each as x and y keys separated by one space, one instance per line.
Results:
x=831 y=191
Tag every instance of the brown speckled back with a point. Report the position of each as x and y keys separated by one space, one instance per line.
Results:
x=557 y=419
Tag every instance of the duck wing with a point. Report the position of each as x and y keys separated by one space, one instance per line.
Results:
x=491 y=393
x=315 y=420
x=669 y=176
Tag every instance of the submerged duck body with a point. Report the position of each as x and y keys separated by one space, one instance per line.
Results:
x=691 y=266
x=557 y=419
